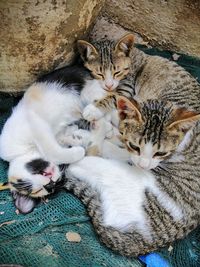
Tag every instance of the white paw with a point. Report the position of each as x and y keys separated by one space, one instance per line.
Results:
x=108 y=130
x=91 y=113
x=77 y=153
x=104 y=127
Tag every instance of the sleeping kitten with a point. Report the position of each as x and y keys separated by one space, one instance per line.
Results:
x=134 y=210
x=109 y=63
x=146 y=77
x=48 y=108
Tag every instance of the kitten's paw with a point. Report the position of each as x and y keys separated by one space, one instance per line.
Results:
x=108 y=130
x=104 y=127
x=77 y=153
x=91 y=113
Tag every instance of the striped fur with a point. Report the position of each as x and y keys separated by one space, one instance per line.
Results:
x=109 y=62
x=159 y=85
x=180 y=182
x=147 y=77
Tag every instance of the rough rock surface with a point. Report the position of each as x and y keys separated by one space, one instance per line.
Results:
x=38 y=36
x=170 y=24
x=106 y=28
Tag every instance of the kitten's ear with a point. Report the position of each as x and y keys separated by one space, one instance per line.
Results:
x=124 y=46
x=184 y=119
x=86 y=50
x=23 y=203
x=128 y=109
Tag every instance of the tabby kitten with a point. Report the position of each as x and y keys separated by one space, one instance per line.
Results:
x=136 y=211
x=146 y=77
x=109 y=63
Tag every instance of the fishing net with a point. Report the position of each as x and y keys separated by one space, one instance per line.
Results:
x=39 y=239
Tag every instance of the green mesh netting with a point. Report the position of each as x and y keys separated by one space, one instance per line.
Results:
x=39 y=238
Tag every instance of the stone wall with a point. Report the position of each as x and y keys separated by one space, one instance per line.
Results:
x=170 y=24
x=38 y=36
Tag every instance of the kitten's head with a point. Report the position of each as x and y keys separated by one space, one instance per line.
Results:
x=108 y=62
x=31 y=179
x=153 y=131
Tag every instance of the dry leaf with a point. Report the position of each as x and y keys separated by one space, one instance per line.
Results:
x=73 y=237
x=7 y=223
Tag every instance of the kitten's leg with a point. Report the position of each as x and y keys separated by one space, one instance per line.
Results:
x=100 y=107
x=100 y=130
x=47 y=143
x=79 y=137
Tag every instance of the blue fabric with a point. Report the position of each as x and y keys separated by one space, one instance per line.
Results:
x=154 y=260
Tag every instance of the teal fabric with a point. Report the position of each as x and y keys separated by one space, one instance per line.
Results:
x=39 y=238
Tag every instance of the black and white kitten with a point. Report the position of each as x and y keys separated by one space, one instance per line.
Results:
x=28 y=141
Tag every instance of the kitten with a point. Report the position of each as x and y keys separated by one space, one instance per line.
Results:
x=109 y=63
x=145 y=77
x=47 y=108
x=134 y=210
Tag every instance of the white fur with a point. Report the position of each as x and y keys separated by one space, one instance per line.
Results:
x=33 y=128
x=185 y=141
x=34 y=124
x=122 y=190
x=145 y=160
x=91 y=113
x=18 y=171
x=109 y=83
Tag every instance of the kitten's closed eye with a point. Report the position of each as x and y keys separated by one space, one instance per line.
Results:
x=117 y=73
x=161 y=154
x=133 y=147
x=101 y=75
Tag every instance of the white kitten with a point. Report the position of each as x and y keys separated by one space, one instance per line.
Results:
x=29 y=135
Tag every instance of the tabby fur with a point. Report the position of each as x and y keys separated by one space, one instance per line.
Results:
x=158 y=79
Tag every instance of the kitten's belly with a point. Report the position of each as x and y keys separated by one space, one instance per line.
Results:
x=122 y=191
x=121 y=188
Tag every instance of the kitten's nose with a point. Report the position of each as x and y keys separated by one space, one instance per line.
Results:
x=109 y=85
x=144 y=163
x=49 y=172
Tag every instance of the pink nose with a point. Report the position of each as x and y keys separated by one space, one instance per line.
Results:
x=49 y=172
x=109 y=85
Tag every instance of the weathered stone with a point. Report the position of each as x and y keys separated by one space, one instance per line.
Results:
x=38 y=36
x=170 y=24
x=107 y=28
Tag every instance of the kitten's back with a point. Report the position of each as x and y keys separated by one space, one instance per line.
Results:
x=75 y=75
x=159 y=78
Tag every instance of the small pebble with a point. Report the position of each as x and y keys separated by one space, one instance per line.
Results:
x=170 y=248
x=73 y=237
x=17 y=211
x=175 y=56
